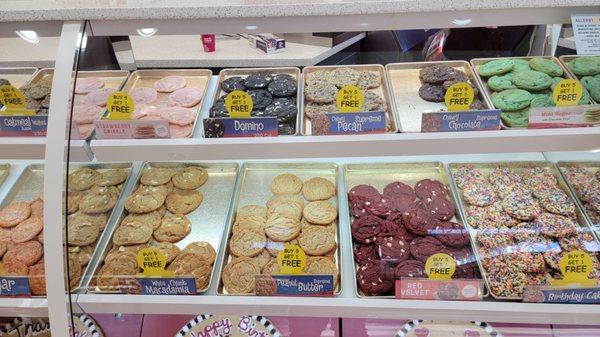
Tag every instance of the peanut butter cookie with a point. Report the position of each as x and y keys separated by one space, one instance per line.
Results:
x=318 y=189
x=253 y=223
x=323 y=266
x=183 y=201
x=247 y=243
x=274 y=247
x=317 y=240
x=238 y=275
x=203 y=249
x=320 y=212
x=190 y=178
x=132 y=233
x=271 y=268
x=173 y=228
x=155 y=176
x=82 y=179
x=99 y=199
x=262 y=259
x=288 y=209
x=281 y=228
x=255 y=210
x=277 y=198
x=286 y=183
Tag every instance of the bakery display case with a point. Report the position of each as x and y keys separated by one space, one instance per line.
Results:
x=431 y=190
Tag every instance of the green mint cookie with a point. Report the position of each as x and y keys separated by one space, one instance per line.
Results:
x=547 y=66
x=532 y=80
x=501 y=82
x=496 y=67
x=585 y=65
x=511 y=100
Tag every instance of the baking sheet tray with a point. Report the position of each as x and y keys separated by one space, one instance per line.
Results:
x=379 y=175
x=197 y=78
x=17 y=77
x=112 y=79
x=383 y=91
x=518 y=167
x=254 y=188
x=112 y=214
x=591 y=166
x=227 y=73
x=404 y=84
x=477 y=62
x=564 y=59
x=4 y=171
x=28 y=186
x=208 y=220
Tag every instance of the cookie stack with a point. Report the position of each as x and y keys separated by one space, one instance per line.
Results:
x=588 y=70
x=91 y=197
x=394 y=233
x=518 y=85
x=273 y=95
x=37 y=94
x=586 y=183
x=157 y=218
x=22 y=240
x=436 y=79
x=322 y=86
x=525 y=223
x=259 y=233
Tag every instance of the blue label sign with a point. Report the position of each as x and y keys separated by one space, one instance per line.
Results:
x=476 y=120
x=348 y=123
x=545 y=294
x=293 y=285
x=23 y=126
x=240 y=127
x=158 y=286
x=14 y=287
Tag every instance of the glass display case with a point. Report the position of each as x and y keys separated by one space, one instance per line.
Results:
x=276 y=169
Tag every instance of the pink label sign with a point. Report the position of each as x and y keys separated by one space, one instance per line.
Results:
x=426 y=289
x=109 y=129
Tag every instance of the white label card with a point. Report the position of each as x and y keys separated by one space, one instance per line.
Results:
x=586 y=28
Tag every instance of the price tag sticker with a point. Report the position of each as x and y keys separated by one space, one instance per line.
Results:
x=575 y=267
x=291 y=260
x=239 y=104
x=15 y=102
x=350 y=99
x=440 y=266
x=459 y=96
x=120 y=106
x=153 y=262
x=567 y=92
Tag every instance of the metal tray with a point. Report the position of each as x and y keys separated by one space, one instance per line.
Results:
x=28 y=186
x=379 y=175
x=477 y=62
x=208 y=220
x=383 y=91
x=590 y=165
x=404 y=85
x=253 y=188
x=4 y=171
x=227 y=73
x=517 y=166
x=564 y=59
x=112 y=79
x=17 y=77
x=198 y=78
x=111 y=216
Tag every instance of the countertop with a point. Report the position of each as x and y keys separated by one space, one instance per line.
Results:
x=45 y=10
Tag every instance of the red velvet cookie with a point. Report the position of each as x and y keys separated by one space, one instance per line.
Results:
x=422 y=248
x=398 y=189
x=428 y=188
x=439 y=207
x=366 y=229
x=364 y=253
x=392 y=250
x=419 y=222
x=451 y=234
x=371 y=279
x=409 y=268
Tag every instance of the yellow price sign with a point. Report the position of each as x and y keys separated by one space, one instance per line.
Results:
x=239 y=104
x=440 y=266
x=567 y=92
x=1 y=267
x=14 y=101
x=575 y=267
x=120 y=106
x=153 y=262
x=350 y=98
x=459 y=96
x=291 y=260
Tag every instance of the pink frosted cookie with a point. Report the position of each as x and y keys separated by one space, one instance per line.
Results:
x=88 y=84
x=143 y=95
x=186 y=97
x=170 y=84
x=98 y=97
x=179 y=115
x=178 y=131
x=86 y=113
